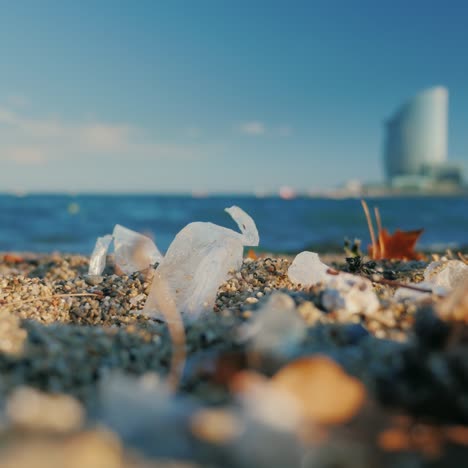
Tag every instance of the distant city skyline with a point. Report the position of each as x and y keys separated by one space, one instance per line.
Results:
x=245 y=96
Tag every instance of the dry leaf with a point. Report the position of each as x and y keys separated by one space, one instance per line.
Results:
x=12 y=258
x=252 y=255
x=399 y=245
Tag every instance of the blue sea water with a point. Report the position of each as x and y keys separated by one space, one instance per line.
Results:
x=65 y=223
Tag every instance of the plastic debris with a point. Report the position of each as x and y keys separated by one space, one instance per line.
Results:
x=198 y=261
x=440 y=277
x=350 y=293
x=97 y=262
x=344 y=291
x=446 y=274
x=402 y=293
x=307 y=269
x=133 y=251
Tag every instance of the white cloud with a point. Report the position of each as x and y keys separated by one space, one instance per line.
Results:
x=254 y=128
x=24 y=155
x=25 y=140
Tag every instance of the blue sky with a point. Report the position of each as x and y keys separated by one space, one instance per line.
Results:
x=217 y=95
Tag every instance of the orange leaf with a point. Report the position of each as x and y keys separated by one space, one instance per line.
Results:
x=12 y=258
x=252 y=255
x=399 y=245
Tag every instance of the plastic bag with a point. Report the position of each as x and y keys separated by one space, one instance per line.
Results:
x=97 y=262
x=198 y=261
x=133 y=251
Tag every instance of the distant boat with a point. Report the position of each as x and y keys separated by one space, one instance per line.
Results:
x=287 y=193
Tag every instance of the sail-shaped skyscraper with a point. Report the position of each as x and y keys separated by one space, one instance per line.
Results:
x=416 y=137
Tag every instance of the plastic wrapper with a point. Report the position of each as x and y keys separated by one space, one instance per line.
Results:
x=198 y=261
x=351 y=294
x=133 y=251
x=344 y=291
x=402 y=294
x=97 y=262
x=307 y=269
x=446 y=274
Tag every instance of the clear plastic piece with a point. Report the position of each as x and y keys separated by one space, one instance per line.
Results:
x=446 y=274
x=307 y=269
x=344 y=291
x=134 y=251
x=198 y=261
x=97 y=262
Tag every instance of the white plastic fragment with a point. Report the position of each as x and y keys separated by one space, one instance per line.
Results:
x=346 y=292
x=350 y=293
x=447 y=274
x=198 y=261
x=440 y=277
x=402 y=293
x=246 y=225
x=97 y=262
x=307 y=269
x=133 y=251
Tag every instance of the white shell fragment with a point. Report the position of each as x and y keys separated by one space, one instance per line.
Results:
x=198 y=261
x=97 y=262
x=307 y=269
x=133 y=251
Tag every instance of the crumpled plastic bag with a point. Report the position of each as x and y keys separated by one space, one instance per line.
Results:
x=344 y=291
x=133 y=251
x=97 y=261
x=198 y=261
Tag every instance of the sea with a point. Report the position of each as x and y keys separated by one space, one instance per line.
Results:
x=71 y=223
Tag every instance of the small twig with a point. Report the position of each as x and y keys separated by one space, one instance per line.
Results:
x=397 y=284
x=175 y=325
x=462 y=258
x=371 y=228
x=379 y=230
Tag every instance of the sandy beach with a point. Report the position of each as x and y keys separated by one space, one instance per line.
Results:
x=83 y=371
